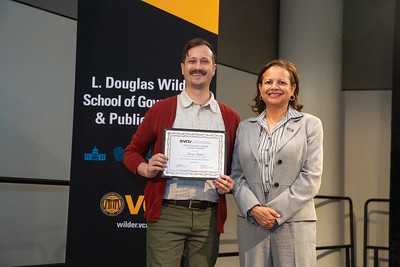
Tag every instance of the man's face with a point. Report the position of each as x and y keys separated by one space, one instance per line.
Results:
x=198 y=68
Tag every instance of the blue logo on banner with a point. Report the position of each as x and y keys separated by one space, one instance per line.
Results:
x=118 y=153
x=95 y=156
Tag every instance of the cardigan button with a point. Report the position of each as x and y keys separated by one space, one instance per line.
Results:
x=275 y=185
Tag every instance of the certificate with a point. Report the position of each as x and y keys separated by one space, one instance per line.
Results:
x=194 y=153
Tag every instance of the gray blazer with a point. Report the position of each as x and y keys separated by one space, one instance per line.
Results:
x=297 y=169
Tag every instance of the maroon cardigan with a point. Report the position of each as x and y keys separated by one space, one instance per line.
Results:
x=151 y=131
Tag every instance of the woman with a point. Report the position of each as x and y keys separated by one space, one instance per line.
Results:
x=277 y=168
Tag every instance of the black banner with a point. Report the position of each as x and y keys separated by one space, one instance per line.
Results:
x=128 y=57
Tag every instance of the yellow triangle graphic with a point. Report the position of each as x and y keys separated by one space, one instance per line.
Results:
x=201 y=13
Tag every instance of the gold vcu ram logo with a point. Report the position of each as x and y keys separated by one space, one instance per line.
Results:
x=112 y=204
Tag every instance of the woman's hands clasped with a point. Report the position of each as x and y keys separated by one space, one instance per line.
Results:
x=265 y=216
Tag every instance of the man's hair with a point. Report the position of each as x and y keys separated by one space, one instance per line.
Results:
x=196 y=42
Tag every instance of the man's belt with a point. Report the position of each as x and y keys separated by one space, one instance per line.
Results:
x=191 y=204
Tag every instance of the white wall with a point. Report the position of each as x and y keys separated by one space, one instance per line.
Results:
x=367 y=164
x=37 y=70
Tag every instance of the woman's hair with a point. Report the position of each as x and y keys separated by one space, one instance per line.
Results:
x=259 y=105
x=196 y=42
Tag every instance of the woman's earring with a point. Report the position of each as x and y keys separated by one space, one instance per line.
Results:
x=292 y=98
x=261 y=97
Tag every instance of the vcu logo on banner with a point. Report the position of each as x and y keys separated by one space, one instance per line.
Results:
x=112 y=204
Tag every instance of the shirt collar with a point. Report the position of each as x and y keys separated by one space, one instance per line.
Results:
x=186 y=101
x=293 y=113
x=290 y=114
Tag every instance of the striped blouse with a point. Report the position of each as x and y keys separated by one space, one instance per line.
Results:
x=268 y=142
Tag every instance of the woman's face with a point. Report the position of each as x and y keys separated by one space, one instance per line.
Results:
x=275 y=88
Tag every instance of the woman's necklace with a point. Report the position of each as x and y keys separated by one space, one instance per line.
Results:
x=271 y=122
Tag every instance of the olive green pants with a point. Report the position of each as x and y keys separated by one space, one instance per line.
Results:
x=183 y=237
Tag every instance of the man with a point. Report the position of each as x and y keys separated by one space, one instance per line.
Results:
x=184 y=216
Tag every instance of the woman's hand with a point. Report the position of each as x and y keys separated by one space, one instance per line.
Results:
x=265 y=216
